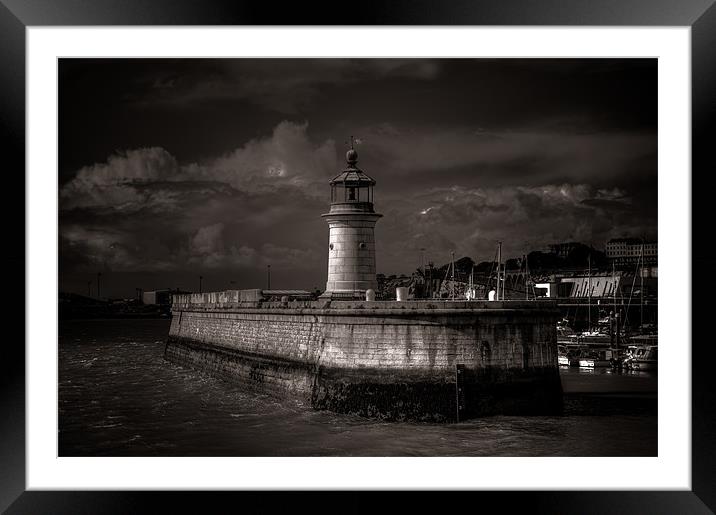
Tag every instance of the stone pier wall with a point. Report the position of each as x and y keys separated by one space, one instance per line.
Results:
x=397 y=360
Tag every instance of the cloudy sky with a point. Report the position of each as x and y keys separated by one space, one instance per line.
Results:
x=171 y=169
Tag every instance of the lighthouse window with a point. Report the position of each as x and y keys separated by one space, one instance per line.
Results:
x=330 y=246
x=351 y=193
x=361 y=245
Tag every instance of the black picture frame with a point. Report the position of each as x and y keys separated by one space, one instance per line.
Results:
x=17 y=15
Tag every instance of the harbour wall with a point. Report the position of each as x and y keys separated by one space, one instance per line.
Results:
x=412 y=360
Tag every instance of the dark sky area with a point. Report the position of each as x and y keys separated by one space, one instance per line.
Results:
x=170 y=169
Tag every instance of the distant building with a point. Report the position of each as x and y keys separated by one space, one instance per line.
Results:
x=627 y=251
x=596 y=285
x=161 y=297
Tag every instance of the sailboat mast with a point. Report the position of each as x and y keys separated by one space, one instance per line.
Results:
x=631 y=294
x=471 y=288
x=614 y=294
x=641 y=287
x=499 y=268
x=527 y=274
x=445 y=279
x=452 y=279
x=614 y=312
x=589 y=286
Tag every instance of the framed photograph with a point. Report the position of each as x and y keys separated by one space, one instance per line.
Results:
x=421 y=251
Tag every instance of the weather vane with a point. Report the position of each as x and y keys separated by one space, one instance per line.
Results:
x=354 y=140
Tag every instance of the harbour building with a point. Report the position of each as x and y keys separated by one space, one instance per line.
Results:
x=632 y=251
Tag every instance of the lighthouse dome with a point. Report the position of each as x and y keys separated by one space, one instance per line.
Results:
x=352 y=175
x=352 y=157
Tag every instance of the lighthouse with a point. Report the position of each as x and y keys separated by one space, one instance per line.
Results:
x=351 y=241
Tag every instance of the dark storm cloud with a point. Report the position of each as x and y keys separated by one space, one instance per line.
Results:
x=174 y=168
x=468 y=155
x=283 y=85
x=471 y=221
x=142 y=210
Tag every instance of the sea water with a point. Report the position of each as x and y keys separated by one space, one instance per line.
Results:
x=118 y=396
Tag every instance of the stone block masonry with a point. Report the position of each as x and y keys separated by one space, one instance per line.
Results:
x=395 y=360
x=351 y=254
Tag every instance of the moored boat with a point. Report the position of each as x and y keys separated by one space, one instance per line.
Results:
x=597 y=358
x=642 y=357
x=643 y=339
x=562 y=356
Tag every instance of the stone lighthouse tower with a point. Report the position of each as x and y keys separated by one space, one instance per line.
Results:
x=351 y=242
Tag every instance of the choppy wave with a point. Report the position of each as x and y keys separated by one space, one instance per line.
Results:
x=119 y=397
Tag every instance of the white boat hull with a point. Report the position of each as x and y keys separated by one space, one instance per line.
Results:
x=594 y=363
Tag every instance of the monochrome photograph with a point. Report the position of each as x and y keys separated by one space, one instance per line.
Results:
x=357 y=257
